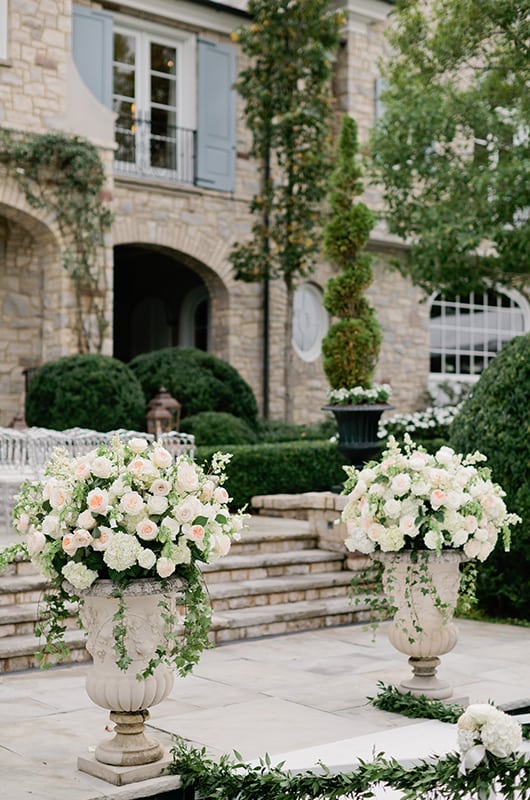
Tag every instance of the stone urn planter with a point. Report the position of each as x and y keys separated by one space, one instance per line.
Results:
x=126 y=693
x=423 y=588
x=357 y=425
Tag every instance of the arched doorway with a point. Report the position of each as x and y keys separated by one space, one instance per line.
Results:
x=158 y=302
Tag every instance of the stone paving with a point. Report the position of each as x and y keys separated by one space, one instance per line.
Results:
x=302 y=692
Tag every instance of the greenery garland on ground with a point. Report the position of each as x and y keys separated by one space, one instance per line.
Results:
x=64 y=175
x=230 y=778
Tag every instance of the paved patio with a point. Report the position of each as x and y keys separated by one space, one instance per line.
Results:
x=300 y=692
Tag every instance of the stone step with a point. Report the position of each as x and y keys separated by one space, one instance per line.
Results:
x=277 y=535
x=246 y=623
x=265 y=565
x=18 y=652
x=21 y=588
x=283 y=589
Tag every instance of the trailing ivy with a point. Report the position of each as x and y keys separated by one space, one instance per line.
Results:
x=64 y=175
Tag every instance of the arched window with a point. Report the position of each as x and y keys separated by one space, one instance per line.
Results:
x=310 y=321
x=467 y=331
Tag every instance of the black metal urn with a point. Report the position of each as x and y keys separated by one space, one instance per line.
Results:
x=358 y=426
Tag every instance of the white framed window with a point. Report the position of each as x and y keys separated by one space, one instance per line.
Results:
x=3 y=30
x=310 y=321
x=467 y=331
x=154 y=100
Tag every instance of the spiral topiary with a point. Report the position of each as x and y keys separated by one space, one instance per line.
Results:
x=496 y=421
x=85 y=391
x=350 y=348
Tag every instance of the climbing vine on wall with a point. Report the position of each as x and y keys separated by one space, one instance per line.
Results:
x=64 y=175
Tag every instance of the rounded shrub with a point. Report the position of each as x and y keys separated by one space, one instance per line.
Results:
x=496 y=421
x=198 y=380
x=85 y=391
x=218 y=428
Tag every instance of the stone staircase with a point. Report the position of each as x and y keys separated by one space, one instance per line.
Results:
x=275 y=580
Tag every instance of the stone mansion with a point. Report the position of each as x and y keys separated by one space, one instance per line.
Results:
x=150 y=83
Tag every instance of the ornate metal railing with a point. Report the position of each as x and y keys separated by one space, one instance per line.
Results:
x=147 y=148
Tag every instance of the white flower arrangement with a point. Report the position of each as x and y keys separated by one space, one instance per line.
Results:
x=412 y=500
x=123 y=512
x=483 y=729
x=357 y=395
x=432 y=420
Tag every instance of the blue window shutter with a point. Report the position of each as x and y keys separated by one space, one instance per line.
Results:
x=216 y=124
x=92 y=50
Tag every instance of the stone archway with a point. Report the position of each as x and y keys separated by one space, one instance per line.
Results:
x=33 y=323
x=162 y=298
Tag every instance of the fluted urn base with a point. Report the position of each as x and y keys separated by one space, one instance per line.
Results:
x=129 y=746
x=423 y=589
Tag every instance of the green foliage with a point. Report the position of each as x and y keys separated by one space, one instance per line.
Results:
x=275 y=430
x=286 y=92
x=65 y=176
x=351 y=346
x=218 y=428
x=289 y=467
x=496 y=421
x=452 y=148
x=233 y=779
x=198 y=380
x=86 y=391
x=389 y=698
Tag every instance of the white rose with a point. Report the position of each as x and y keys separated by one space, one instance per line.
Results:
x=86 y=520
x=22 y=523
x=187 y=479
x=418 y=461
x=146 y=559
x=50 y=526
x=358 y=490
x=161 y=457
x=160 y=487
x=157 y=504
x=81 y=468
x=139 y=466
x=392 y=508
x=400 y=484
x=207 y=490
x=445 y=456
x=69 y=544
x=172 y=526
x=220 y=495
x=470 y=523
x=219 y=546
x=82 y=537
x=407 y=526
x=101 y=540
x=102 y=467
x=165 y=567
x=58 y=497
x=132 y=503
x=431 y=540
x=459 y=537
x=147 y=529
x=188 y=509
x=138 y=445
x=472 y=548
x=97 y=501
x=35 y=542
x=118 y=488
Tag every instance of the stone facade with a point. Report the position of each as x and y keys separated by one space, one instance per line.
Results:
x=193 y=227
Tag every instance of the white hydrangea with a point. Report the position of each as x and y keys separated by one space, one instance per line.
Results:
x=122 y=551
x=79 y=575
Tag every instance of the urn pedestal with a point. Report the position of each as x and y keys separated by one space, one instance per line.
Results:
x=424 y=592
x=125 y=693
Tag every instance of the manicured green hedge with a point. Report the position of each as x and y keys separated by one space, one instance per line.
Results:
x=86 y=391
x=288 y=467
x=496 y=421
x=218 y=427
x=198 y=380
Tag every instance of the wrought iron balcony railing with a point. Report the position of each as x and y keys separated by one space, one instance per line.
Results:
x=150 y=149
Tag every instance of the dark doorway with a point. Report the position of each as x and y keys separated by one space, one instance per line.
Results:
x=158 y=302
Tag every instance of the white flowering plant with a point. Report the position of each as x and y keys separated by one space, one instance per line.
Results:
x=412 y=500
x=123 y=512
x=358 y=396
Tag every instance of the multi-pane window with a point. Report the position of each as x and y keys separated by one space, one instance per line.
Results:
x=148 y=98
x=467 y=331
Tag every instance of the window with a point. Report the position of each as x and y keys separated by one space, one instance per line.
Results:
x=153 y=103
x=467 y=331
x=310 y=321
x=3 y=30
